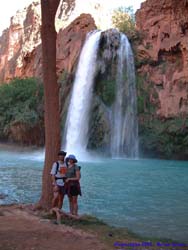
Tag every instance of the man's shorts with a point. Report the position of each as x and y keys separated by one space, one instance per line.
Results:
x=60 y=189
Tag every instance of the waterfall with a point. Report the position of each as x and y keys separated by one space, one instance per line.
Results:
x=76 y=127
x=124 y=125
x=124 y=128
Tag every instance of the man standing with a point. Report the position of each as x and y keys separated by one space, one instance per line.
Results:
x=58 y=173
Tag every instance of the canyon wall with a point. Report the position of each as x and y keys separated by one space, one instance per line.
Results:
x=161 y=57
x=20 y=44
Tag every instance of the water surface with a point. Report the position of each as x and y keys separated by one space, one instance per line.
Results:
x=147 y=196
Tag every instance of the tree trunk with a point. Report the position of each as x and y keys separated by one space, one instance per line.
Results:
x=51 y=95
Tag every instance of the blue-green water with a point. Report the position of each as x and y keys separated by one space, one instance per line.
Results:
x=147 y=196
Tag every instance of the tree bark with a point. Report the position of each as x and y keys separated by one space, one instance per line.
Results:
x=51 y=97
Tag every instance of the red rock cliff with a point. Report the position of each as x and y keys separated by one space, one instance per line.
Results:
x=163 y=53
x=20 y=44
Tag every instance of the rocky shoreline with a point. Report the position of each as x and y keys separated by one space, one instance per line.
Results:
x=17 y=147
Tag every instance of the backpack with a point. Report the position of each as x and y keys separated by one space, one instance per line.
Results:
x=57 y=167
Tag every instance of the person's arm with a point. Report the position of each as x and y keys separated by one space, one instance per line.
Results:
x=53 y=173
x=53 y=180
x=77 y=178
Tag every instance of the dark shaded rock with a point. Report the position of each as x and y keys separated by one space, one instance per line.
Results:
x=99 y=126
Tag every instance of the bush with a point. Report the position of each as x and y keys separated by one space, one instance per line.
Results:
x=124 y=20
x=21 y=101
x=167 y=138
x=144 y=91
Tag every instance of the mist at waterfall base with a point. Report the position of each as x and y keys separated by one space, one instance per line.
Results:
x=148 y=197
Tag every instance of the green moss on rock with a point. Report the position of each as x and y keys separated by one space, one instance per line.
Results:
x=99 y=130
x=106 y=90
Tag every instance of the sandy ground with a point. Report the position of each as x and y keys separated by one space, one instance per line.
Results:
x=22 y=229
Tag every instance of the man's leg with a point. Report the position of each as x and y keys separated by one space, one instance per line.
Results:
x=60 y=200
x=58 y=214
x=55 y=196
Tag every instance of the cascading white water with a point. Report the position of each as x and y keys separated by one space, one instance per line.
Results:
x=124 y=129
x=76 y=127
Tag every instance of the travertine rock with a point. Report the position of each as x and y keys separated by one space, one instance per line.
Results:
x=163 y=53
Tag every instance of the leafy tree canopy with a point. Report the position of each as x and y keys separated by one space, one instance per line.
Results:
x=20 y=101
x=123 y=19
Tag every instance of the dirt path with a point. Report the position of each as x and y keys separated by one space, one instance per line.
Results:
x=22 y=229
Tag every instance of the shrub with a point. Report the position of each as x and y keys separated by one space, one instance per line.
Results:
x=124 y=19
x=165 y=138
x=21 y=101
x=144 y=90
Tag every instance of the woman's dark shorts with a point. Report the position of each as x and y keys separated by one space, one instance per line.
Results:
x=73 y=188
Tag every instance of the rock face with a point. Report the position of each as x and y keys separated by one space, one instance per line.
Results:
x=23 y=134
x=162 y=56
x=70 y=41
x=162 y=78
x=20 y=44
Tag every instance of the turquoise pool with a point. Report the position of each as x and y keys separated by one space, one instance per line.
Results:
x=148 y=197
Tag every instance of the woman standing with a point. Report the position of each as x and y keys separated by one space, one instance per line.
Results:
x=72 y=183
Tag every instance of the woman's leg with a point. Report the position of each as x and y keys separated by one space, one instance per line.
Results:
x=75 y=204
x=71 y=204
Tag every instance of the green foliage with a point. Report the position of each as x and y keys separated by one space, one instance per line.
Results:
x=166 y=138
x=106 y=90
x=124 y=19
x=145 y=61
x=64 y=78
x=144 y=90
x=21 y=101
x=142 y=95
